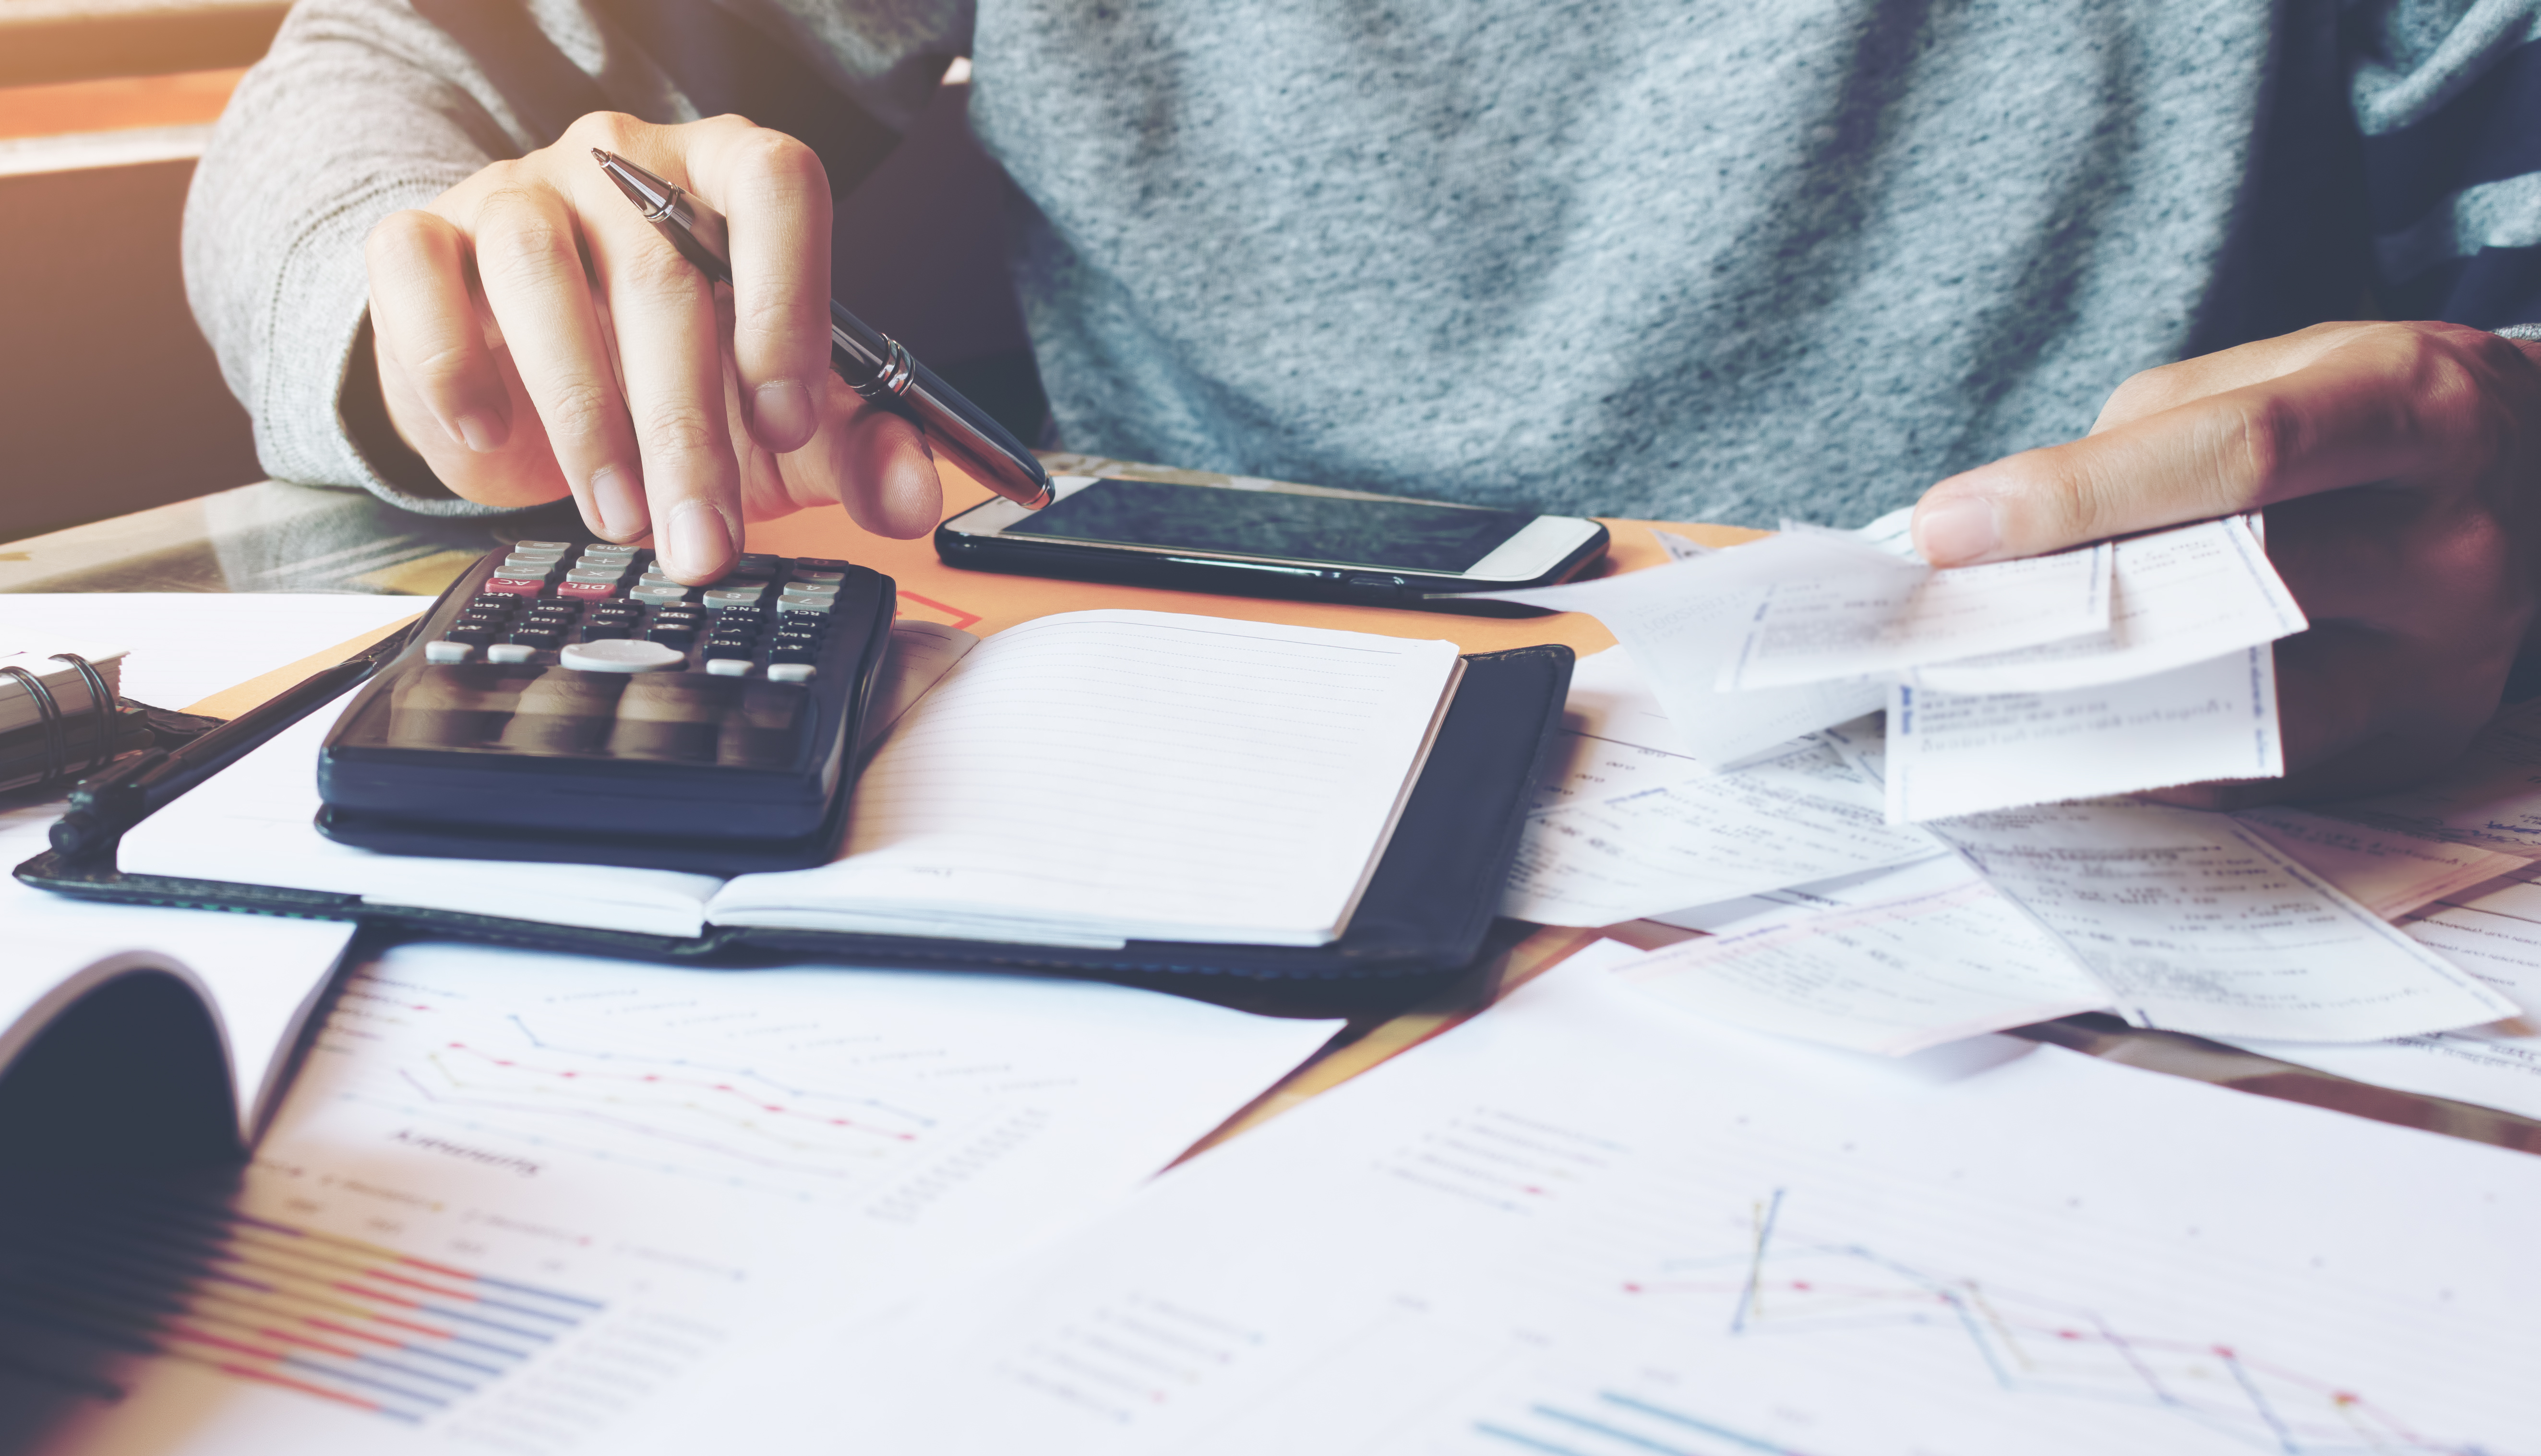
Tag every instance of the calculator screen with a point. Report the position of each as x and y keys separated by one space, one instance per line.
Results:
x=559 y=712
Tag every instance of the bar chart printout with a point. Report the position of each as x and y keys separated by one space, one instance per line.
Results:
x=1585 y=1225
x=525 y=1204
x=88 y=1272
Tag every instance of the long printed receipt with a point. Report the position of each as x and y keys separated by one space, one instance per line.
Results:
x=2106 y=670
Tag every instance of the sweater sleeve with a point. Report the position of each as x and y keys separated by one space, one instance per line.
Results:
x=364 y=108
x=2447 y=98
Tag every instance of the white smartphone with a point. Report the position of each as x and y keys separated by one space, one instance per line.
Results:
x=1266 y=539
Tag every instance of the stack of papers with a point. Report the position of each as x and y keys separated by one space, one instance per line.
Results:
x=2108 y=670
x=2343 y=929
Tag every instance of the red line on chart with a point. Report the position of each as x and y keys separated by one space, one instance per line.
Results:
x=640 y=1078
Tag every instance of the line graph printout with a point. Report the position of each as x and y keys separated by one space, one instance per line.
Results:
x=516 y=1203
x=1585 y=1227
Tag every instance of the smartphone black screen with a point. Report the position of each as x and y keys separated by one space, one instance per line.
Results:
x=1404 y=534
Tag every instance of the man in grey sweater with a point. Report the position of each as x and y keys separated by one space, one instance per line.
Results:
x=1659 y=258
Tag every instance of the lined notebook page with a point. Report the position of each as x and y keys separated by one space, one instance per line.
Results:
x=1106 y=775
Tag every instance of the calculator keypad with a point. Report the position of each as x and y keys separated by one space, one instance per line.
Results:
x=767 y=615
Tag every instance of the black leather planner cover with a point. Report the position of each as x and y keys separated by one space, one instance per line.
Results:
x=1422 y=922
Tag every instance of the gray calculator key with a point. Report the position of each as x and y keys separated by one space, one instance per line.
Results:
x=735 y=596
x=543 y=545
x=620 y=655
x=662 y=593
x=817 y=578
x=789 y=672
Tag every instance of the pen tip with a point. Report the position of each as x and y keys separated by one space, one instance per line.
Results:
x=601 y=157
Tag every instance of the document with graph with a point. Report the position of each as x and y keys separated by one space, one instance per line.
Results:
x=1581 y=1225
x=518 y=1202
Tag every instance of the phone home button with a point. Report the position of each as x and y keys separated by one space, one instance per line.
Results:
x=1363 y=586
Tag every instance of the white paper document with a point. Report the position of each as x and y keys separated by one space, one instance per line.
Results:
x=523 y=1202
x=2198 y=923
x=2479 y=1067
x=1893 y=533
x=1942 y=959
x=1882 y=622
x=1684 y=621
x=187 y=646
x=1842 y=892
x=2491 y=798
x=2109 y=669
x=1953 y=754
x=1614 y=737
x=1801 y=815
x=2183 y=596
x=1680 y=546
x=2387 y=871
x=1586 y=1226
x=2496 y=936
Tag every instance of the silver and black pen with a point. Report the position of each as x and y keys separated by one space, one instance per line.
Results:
x=873 y=363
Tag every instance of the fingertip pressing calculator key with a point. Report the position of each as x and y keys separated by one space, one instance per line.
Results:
x=572 y=702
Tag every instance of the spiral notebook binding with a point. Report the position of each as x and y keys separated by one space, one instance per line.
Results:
x=56 y=723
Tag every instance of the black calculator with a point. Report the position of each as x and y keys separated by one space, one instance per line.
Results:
x=571 y=702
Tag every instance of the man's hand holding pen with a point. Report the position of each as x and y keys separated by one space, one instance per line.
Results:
x=535 y=336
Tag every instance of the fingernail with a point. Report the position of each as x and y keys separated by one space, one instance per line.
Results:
x=619 y=501
x=781 y=410
x=481 y=433
x=1956 y=530
x=697 y=541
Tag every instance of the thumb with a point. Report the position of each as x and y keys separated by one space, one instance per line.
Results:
x=2349 y=418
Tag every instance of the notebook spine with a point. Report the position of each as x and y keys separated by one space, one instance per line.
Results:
x=65 y=742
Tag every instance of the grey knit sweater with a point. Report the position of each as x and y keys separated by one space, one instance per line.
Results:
x=1679 y=259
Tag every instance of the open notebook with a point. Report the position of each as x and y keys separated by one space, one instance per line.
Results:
x=1087 y=779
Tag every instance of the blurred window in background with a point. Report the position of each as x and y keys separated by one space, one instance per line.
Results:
x=109 y=400
x=116 y=103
